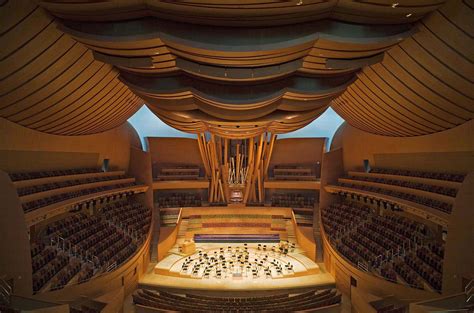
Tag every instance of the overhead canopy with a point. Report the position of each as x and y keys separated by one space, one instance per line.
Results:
x=237 y=68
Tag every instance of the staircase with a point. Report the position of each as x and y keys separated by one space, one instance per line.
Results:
x=290 y=230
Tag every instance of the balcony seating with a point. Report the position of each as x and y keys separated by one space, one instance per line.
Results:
x=86 y=245
x=176 y=200
x=430 y=175
x=195 y=303
x=36 y=204
x=176 y=172
x=451 y=192
x=392 y=246
x=294 y=172
x=435 y=204
x=23 y=191
x=42 y=174
x=293 y=200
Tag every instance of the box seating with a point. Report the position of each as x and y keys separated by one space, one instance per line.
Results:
x=196 y=303
x=389 y=244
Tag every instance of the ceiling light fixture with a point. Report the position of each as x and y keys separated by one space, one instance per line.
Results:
x=300 y=2
x=408 y=15
x=394 y=5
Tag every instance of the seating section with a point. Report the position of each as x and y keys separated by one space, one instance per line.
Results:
x=134 y=218
x=304 y=216
x=432 y=203
x=77 y=247
x=430 y=175
x=293 y=200
x=392 y=246
x=163 y=301
x=177 y=200
x=36 y=204
x=176 y=172
x=169 y=216
x=451 y=192
x=24 y=191
x=43 y=174
x=294 y=172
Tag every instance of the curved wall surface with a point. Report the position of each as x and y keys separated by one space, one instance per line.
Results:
x=20 y=145
x=456 y=146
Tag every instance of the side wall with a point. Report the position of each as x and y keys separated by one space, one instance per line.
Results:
x=459 y=256
x=20 y=145
x=450 y=151
x=15 y=258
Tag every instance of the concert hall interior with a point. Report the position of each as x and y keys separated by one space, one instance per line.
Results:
x=236 y=156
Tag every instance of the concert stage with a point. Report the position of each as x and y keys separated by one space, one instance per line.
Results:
x=249 y=250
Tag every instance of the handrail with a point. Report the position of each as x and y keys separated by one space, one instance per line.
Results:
x=468 y=290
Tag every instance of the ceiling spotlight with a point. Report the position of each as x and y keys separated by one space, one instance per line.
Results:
x=300 y=2
x=408 y=15
x=394 y=5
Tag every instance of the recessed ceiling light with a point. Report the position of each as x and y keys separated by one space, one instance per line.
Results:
x=408 y=15
x=394 y=5
x=300 y=2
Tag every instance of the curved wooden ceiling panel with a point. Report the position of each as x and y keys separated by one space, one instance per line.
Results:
x=91 y=72
x=292 y=96
x=154 y=46
x=245 y=13
x=52 y=83
x=423 y=85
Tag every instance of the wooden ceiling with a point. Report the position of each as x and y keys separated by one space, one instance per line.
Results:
x=423 y=85
x=242 y=68
x=51 y=83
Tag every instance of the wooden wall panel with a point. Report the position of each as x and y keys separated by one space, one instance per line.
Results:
x=449 y=151
x=19 y=146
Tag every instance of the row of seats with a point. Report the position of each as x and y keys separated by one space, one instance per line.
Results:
x=293 y=172
x=176 y=200
x=340 y=218
x=36 y=204
x=132 y=217
x=164 y=301
x=86 y=245
x=451 y=192
x=68 y=183
x=293 y=200
x=365 y=237
x=430 y=175
x=432 y=203
x=176 y=172
x=42 y=174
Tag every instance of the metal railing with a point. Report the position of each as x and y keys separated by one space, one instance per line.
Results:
x=469 y=291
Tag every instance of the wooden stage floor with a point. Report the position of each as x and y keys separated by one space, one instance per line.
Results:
x=167 y=274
